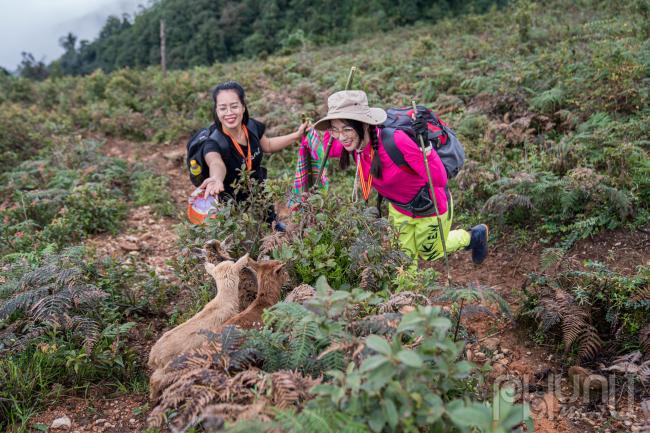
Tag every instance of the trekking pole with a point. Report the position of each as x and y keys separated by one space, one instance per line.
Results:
x=433 y=195
x=308 y=162
x=353 y=69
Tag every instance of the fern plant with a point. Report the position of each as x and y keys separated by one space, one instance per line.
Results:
x=595 y=312
x=54 y=295
x=573 y=207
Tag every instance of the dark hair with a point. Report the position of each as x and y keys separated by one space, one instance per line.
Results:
x=229 y=85
x=344 y=160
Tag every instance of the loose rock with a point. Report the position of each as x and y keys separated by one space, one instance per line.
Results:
x=491 y=344
x=129 y=246
x=63 y=423
x=479 y=357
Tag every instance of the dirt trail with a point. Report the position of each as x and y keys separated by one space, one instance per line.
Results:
x=151 y=237
x=155 y=241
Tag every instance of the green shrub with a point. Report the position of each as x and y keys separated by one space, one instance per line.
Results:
x=473 y=126
x=350 y=246
x=548 y=102
x=398 y=387
x=89 y=209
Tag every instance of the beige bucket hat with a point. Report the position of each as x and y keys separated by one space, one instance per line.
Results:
x=353 y=105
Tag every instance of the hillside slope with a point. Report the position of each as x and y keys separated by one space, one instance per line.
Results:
x=551 y=104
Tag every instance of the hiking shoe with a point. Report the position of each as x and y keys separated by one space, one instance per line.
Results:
x=279 y=226
x=479 y=243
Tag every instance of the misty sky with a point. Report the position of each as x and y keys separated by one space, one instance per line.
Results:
x=35 y=26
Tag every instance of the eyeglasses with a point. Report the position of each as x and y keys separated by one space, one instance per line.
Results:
x=233 y=108
x=348 y=131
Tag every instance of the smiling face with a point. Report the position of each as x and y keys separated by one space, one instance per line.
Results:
x=230 y=109
x=345 y=133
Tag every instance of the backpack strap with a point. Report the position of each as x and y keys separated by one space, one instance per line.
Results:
x=388 y=141
x=221 y=139
x=252 y=127
x=218 y=137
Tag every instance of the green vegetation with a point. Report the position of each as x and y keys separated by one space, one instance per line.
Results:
x=66 y=323
x=412 y=381
x=207 y=31
x=550 y=101
x=594 y=313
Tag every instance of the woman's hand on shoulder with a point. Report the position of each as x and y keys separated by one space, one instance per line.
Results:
x=302 y=128
x=212 y=186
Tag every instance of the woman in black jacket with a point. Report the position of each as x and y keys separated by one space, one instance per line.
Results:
x=245 y=141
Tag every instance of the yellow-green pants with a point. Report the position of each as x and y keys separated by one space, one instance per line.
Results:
x=420 y=237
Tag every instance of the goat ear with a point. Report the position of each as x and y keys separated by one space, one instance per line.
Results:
x=209 y=268
x=278 y=267
x=243 y=261
x=252 y=263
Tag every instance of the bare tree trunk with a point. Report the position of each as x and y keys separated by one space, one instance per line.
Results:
x=163 y=54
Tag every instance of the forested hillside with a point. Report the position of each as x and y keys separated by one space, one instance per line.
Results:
x=203 y=32
x=98 y=259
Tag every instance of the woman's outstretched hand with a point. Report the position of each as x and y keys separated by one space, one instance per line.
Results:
x=212 y=186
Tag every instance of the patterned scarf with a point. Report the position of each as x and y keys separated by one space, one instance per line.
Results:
x=310 y=155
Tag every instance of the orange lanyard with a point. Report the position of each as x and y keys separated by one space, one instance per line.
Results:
x=248 y=159
x=365 y=185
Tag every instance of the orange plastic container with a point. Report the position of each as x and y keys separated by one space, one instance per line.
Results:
x=199 y=208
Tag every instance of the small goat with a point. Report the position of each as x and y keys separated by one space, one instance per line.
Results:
x=270 y=279
x=216 y=252
x=224 y=306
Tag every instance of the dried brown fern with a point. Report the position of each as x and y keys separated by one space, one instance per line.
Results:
x=558 y=306
x=368 y=280
x=272 y=241
x=289 y=388
x=204 y=394
x=644 y=339
x=192 y=392
x=576 y=326
x=642 y=294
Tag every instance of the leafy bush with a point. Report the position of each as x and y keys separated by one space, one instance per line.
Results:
x=349 y=246
x=400 y=387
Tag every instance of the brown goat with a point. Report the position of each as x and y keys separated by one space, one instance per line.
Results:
x=270 y=278
x=224 y=306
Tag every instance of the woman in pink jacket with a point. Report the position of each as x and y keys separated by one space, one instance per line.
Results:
x=354 y=124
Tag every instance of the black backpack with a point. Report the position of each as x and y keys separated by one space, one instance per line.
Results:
x=441 y=136
x=196 y=166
